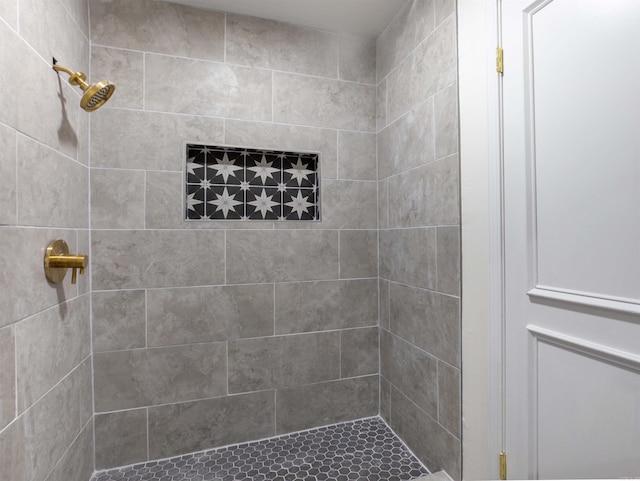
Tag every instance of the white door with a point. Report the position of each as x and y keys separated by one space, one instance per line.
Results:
x=572 y=237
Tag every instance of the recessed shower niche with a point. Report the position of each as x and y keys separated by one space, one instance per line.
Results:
x=235 y=183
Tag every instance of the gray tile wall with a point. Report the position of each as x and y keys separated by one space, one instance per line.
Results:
x=46 y=404
x=210 y=333
x=417 y=142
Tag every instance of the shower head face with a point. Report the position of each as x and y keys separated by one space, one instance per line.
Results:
x=96 y=95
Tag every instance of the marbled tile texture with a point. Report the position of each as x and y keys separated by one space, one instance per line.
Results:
x=46 y=403
x=215 y=321
x=210 y=333
x=418 y=218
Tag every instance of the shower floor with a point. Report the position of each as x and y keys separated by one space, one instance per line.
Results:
x=365 y=450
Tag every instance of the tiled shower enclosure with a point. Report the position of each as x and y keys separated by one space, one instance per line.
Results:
x=204 y=333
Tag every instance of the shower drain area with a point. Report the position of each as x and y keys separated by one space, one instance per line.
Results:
x=365 y=450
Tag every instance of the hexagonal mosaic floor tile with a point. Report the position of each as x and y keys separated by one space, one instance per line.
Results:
x=362 y=450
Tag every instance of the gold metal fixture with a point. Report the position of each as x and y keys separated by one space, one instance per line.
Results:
x=95 y=95
x=57 y=260
x=503 y=465
x=499 y=60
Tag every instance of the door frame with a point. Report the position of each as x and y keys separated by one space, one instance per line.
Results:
x=482 y=233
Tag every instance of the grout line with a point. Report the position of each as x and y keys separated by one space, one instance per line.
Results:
x=13 y=330
x=148 y=450
x=15 y=161
x=146 y=319
x=144 y=201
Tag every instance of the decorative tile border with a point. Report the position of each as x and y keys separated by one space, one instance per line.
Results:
x=234 y=183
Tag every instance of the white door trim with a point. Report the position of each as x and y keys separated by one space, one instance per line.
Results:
x=482 y=273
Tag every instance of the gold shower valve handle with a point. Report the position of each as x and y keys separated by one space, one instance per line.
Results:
x=57 y=260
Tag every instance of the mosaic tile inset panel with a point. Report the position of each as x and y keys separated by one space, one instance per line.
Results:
x=362 y=450
x=231 y=183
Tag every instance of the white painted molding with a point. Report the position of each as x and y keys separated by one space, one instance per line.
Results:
x=586 y=299
x=590 y=349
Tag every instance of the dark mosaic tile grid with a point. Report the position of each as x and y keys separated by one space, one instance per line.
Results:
x=364 y=450
x=230 y=183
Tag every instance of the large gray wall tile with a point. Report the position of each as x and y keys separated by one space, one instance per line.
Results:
x=359 y=352
x=77 y=463
x=128 y=379
x=427 y=195
x=13 y=462
x=409 y=256
x=194 y=426
x=25 y=288
x=326 y=305
x=129 y=139
x=52 y=189
x=9 y=13
x=117 y=199
x=84 y=383
x=439 y=450
x=48 y=346
x=449 y=412
x=357 y=59
x=381 y=105
x=358 y=253
x=383 y=303
x=385 y=400
x=257 y=42
x=427 y=70
x=286 y=137
x=383 y=204
x=304 y=407
x=7 y=175
x=413 y=24
x=124 y=68
x=444 y=8
x=323 y=102
x=203 y=314
x=118 y=320
x=408 y=142
x=448 y=259
x=215 y=89
x=121 y=438
x=274 y=256
x=33 y=444
x=339 y=198
x=158 y=27
x=164 y=208
x=428 y=320
x=55 y=32
x=357 y=154
x=271 y=362
x=50 y=119
x=7 y=377
x=410 y=370
x=134 y=259
x=446 y=115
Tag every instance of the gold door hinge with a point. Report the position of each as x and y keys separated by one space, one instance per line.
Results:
x=499 y=60
x=503 y=465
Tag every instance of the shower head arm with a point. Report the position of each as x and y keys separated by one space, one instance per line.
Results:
x=75 y=78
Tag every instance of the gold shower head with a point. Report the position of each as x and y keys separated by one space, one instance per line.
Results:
x=95 y=95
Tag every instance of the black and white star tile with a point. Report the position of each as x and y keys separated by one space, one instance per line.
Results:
x=232 y=183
